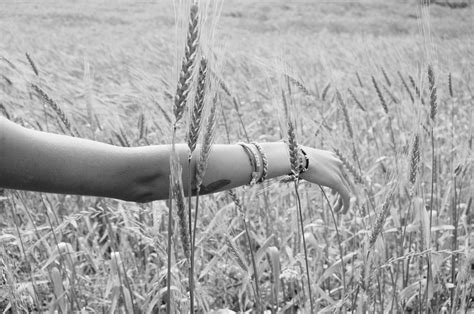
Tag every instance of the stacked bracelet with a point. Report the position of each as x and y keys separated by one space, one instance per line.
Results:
x=254 y=162
x=258 y=162
x=264 y=162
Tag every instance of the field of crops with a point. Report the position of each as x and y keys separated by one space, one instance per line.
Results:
x=387 y=85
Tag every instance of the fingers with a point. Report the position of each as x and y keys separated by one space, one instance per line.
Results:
x=338 y=204
x=344 y=188
x=345 y=198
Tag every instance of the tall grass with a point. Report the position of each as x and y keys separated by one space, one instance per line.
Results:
x=399 y=122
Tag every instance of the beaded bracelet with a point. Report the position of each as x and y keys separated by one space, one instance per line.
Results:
x=264 y=161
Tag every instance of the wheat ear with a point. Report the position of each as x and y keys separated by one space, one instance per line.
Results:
x=195 y=123
x=349 y=166
x=414 y=159
x=32 y=64
x=207 y=144
x=346 y=114
x=293 y=148
x=379 y=222
x=386 y=77
x=355 y=99
x=187 y=66
x=405 y=85
x=359 y=80
x=450 y=85
x=325 y=91
x=54 y=106
x=433 y=93
x=299 y=84
x=178 y=195
x=380 y=95
x=417 y=90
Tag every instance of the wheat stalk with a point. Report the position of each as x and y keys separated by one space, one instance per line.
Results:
x=414 y=159
x=450 y=85
x=195 y=122
x=4 y=111
x=32 y=64
x=433 y=93
x=187 y=66
x=180 y=100
x=405 y=85
x=380 y=221
x=294 y=161
x=239 y=206
x=57 y=109
x=293 y=148
x=392 y=96
x=386 y=77
x=207 y=144
x=346 y=114
x=299 y=84
x=417 y=90
x=380 y=95
x=349 y=166
x=178 y=194
x=236 y=254
x=355 y=99
x=359 y=80
x=141 y=126
x=192 y=137
x=325 y=91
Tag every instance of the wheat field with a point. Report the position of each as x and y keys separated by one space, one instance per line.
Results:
x=387 y=85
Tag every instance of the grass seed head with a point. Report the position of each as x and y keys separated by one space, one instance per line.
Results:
x=196 y=112
x=355 y=99
x=4 y=111
x=48 y=100
x=433 y=93
x=380 y=95
x=450 y=85
x=414 y=158
x=207 y=144
x=417 y=90
x=405 y=85
x=178 y=195
x=386 y=77
x=187 y=66
x=349 y=166
x=325 y=91
x=359 y=80
x=380 y=221
x=293 y=147
x=346 y=114
x=32 y=64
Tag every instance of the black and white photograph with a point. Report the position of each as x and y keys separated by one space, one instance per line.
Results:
x=236 y=156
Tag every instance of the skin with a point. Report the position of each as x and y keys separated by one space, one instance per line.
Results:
x=45 y=162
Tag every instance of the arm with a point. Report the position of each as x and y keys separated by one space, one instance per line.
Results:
x=39 y=161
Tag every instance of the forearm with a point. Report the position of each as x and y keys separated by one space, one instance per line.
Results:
x=38 y=161
x=228 y=165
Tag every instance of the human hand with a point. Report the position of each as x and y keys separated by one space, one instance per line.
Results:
x=326 y=169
